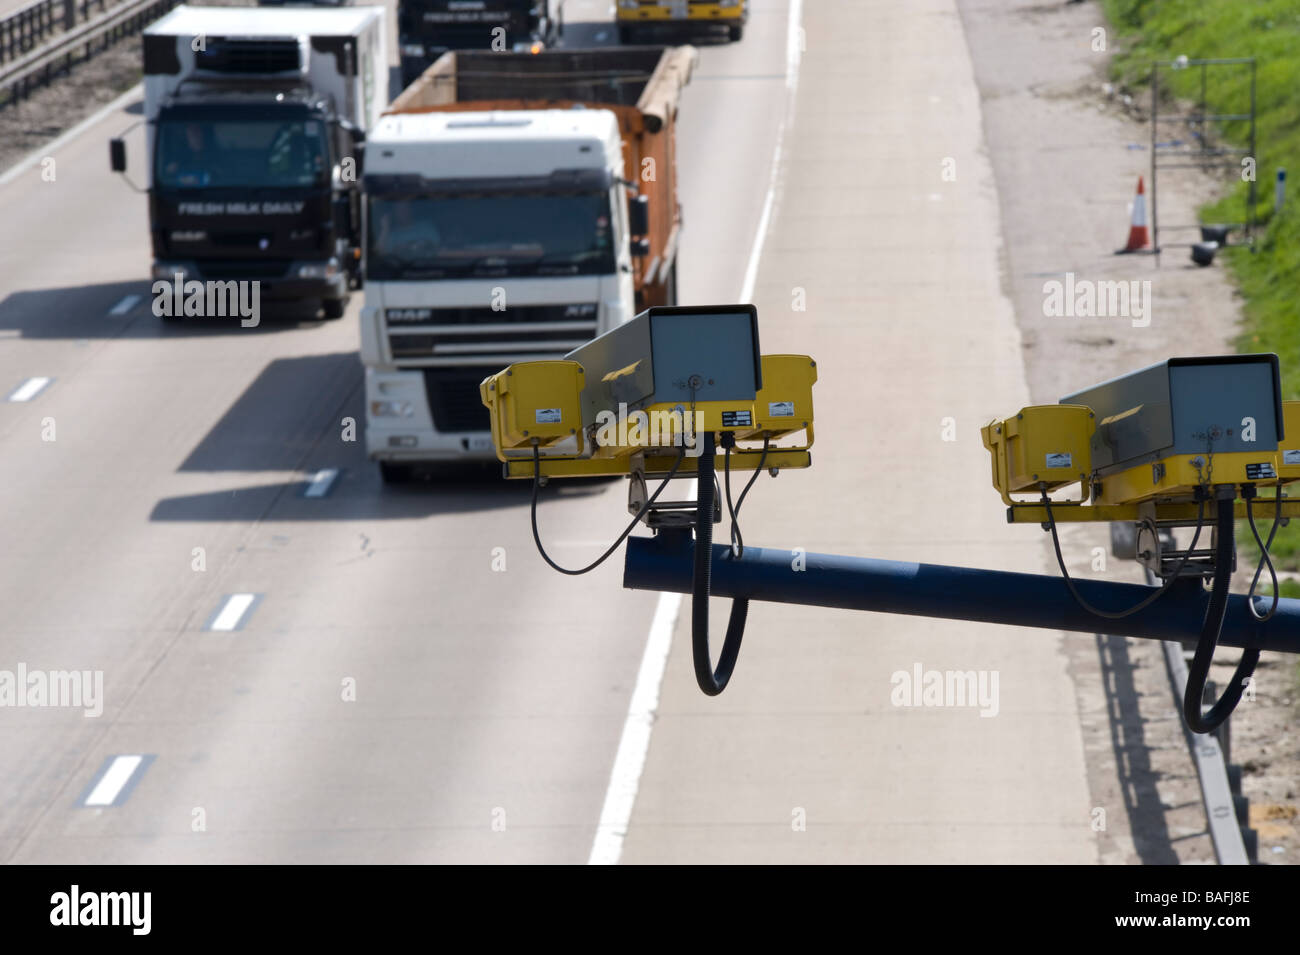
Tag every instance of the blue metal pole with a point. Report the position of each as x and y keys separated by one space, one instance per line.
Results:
x=665 y=563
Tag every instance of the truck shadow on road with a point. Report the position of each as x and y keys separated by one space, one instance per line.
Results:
x=88 y=311
x=305 y=415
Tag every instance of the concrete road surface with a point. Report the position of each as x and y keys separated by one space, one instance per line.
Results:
x=374 y=690
x=882 y=263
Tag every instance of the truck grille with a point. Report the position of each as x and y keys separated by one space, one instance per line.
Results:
x=453 y=398
x=460 y=335
x=243 y=268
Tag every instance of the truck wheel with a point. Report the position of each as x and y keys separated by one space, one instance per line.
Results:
x=334 y=307
x=734 y=33
x=395 y=473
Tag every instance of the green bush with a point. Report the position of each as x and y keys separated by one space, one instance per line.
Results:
x=1269 y=30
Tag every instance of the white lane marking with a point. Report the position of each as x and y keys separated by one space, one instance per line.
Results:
x=632 y=748
x=16 y=170
x=124 y=306
x=629 y=761
x=232 y=612
x=117 y=775
x=29 y=389
x=794 y=42
x=321 y=482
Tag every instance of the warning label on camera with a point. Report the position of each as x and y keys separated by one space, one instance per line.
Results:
x=547 y=415
x=737 y=419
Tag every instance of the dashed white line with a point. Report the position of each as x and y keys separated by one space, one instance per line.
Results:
x=629 y=762
x=124 y=306
x=113 y=780
x=793 y=53
x=29 y=389
x=321 y=482
x=232 y=612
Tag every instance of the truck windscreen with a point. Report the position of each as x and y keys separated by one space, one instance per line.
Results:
x=203 y=153
x=466 y=236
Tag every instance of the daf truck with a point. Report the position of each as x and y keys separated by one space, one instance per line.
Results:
x=256 y=118
x=426 y=29
x=518 y=206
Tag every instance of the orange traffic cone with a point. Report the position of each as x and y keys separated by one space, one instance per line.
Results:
x=1138 y=236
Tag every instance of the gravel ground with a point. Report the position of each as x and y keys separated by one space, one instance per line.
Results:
x=27 y=125
x=1067 y=152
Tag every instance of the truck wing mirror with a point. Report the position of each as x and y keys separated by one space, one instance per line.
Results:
x=356 y=132
x=638 y=215
x=117 y=155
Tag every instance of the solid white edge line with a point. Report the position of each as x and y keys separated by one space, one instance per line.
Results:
x=29 y=389
x=634 y=745
x=625 y=776
x=117 y=775
x=232 y=611
x=124 y=306
x=794 y=40
x=793 y=53
x=16 y=170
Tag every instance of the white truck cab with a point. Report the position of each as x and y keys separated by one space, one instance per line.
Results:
x=493 y=238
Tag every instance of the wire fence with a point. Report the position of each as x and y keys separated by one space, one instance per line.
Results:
x=44 y=39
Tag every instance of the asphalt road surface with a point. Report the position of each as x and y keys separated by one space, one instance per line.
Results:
x=354 y=677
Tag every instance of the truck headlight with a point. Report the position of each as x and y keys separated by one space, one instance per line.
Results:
x=391 y=409
x=412 y=49
x=319 y=270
